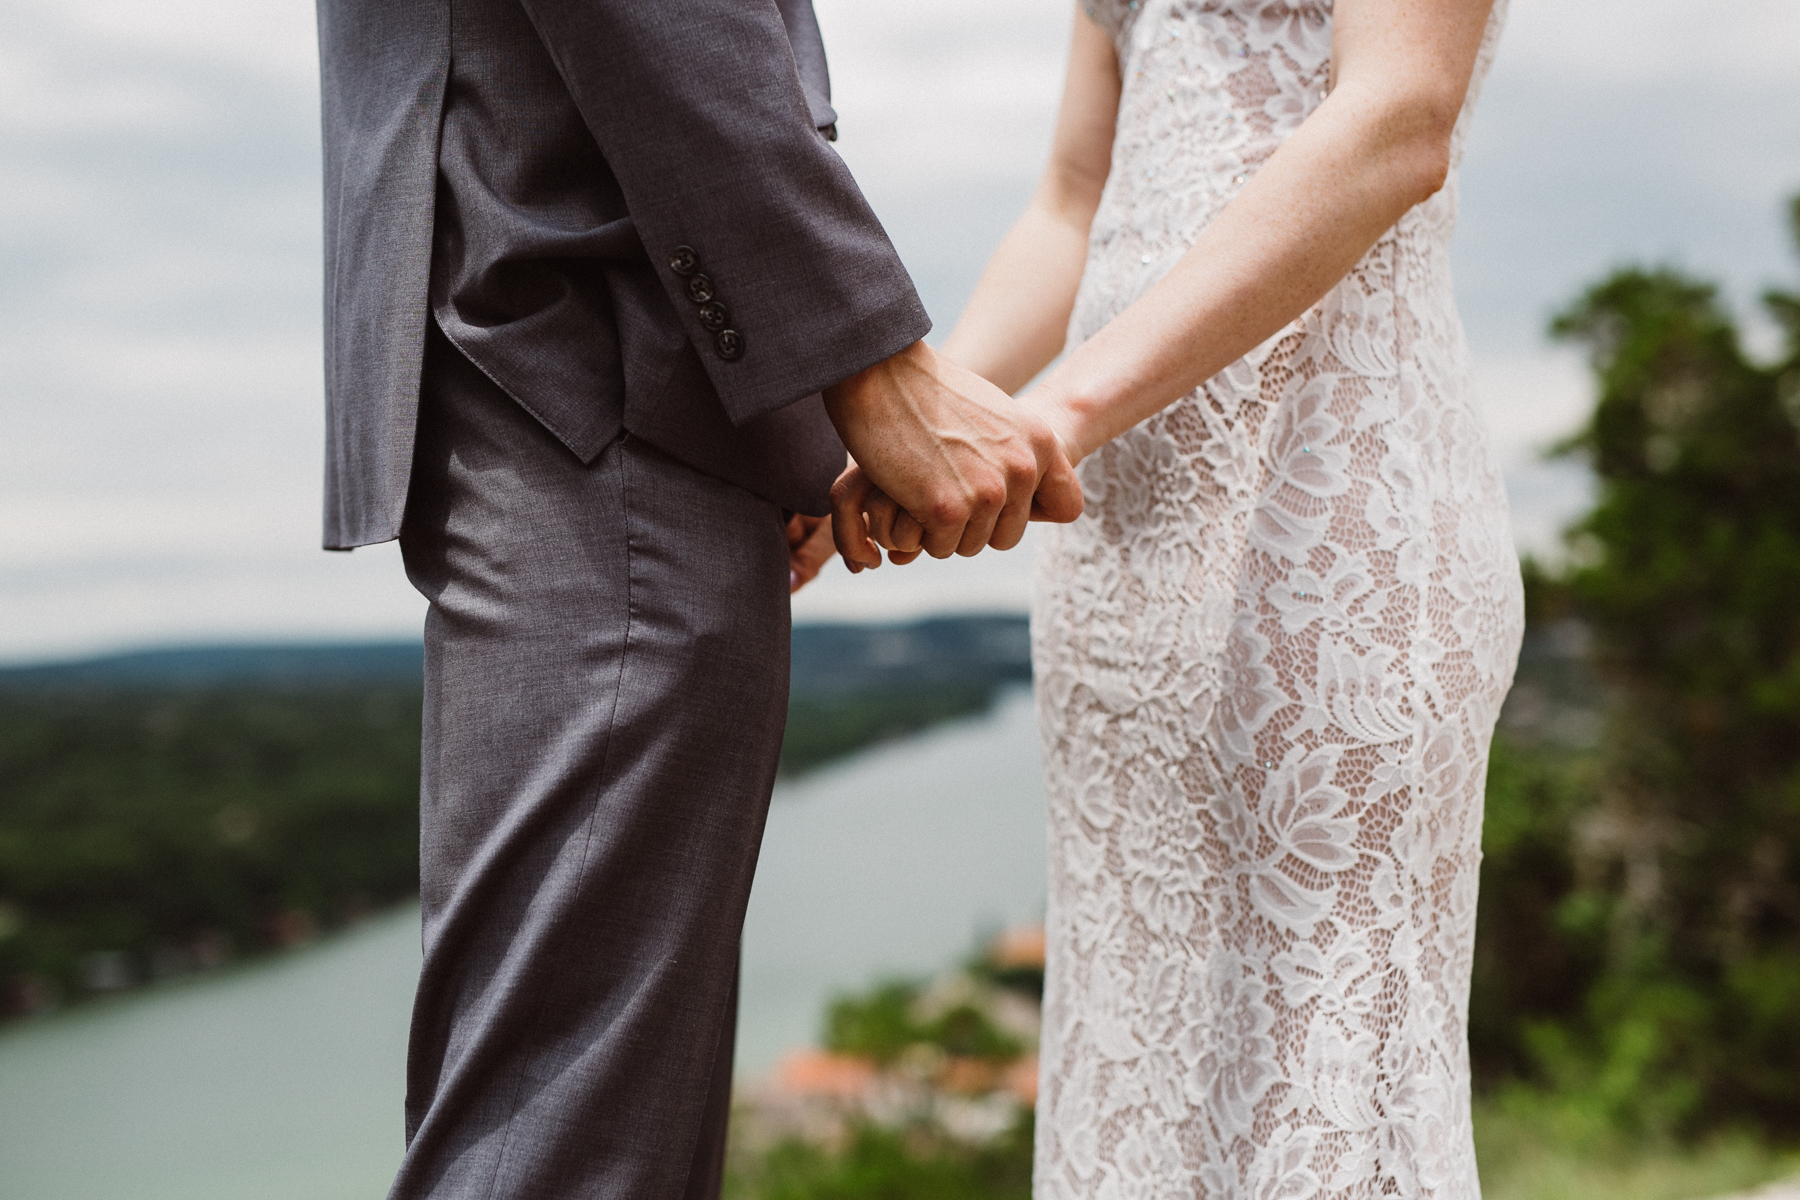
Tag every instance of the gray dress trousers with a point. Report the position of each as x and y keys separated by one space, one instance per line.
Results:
x=606 y=671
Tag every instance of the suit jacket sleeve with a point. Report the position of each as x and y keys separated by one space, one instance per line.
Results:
x=698 y=108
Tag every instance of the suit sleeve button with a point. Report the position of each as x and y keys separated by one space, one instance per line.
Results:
x=729 y=344
x=714 y=316
x=683 y=261
x=699 y=289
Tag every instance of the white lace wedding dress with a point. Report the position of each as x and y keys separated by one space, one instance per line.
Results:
x=1269 y=661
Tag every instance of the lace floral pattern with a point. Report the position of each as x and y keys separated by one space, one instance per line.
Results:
x=1269 y=662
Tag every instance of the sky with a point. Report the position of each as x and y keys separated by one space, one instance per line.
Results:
x=160 y=402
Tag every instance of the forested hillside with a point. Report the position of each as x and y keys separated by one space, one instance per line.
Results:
x=165 y=811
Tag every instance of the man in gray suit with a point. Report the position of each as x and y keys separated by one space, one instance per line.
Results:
x=603 y=310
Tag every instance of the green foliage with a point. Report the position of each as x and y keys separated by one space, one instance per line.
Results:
x=1540 y=935
x=883 y=1023
x=877 y=1026
x=1534 y=1146
x=142 y=832
x=965 y=1031
x=1639 y=955
x=889 y=1164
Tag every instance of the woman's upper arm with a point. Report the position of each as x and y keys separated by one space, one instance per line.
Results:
x=1419 y=53
x=1081 y=154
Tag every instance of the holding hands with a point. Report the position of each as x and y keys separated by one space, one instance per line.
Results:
x=944 y=463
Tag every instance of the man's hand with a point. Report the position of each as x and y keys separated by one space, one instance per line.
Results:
x=809 y=549
x=965 y=464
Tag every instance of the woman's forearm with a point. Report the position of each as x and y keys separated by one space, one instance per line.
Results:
x=1302 y=222
x=1377 y=145
x=1015 y=322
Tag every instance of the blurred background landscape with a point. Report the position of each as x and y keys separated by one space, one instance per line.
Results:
x=209 y=729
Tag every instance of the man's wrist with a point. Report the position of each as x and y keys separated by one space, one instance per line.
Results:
x=843 y=398
x=847 y=400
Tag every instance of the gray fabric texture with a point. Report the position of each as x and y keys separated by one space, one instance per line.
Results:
x=526 y=170
x=606 y=685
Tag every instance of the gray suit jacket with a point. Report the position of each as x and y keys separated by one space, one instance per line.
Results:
x=625 y=212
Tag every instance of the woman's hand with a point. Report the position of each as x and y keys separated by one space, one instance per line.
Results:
x=809 y=548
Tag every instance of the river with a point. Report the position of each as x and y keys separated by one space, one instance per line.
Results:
x=282 y=1080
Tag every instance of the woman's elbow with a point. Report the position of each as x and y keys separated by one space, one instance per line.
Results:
x=1070 y=193
x=1425 y=126
x=1430 y=169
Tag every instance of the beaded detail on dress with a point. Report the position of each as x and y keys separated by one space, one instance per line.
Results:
x=1269 y=661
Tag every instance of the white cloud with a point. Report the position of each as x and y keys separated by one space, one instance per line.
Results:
x=934 y=94
x=1529 y=403
x=1661 y=42
x=278 y=40
x=288 y=591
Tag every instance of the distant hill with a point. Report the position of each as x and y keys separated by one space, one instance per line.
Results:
x=829 y=660
x=271 y=665
x=833 y=659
